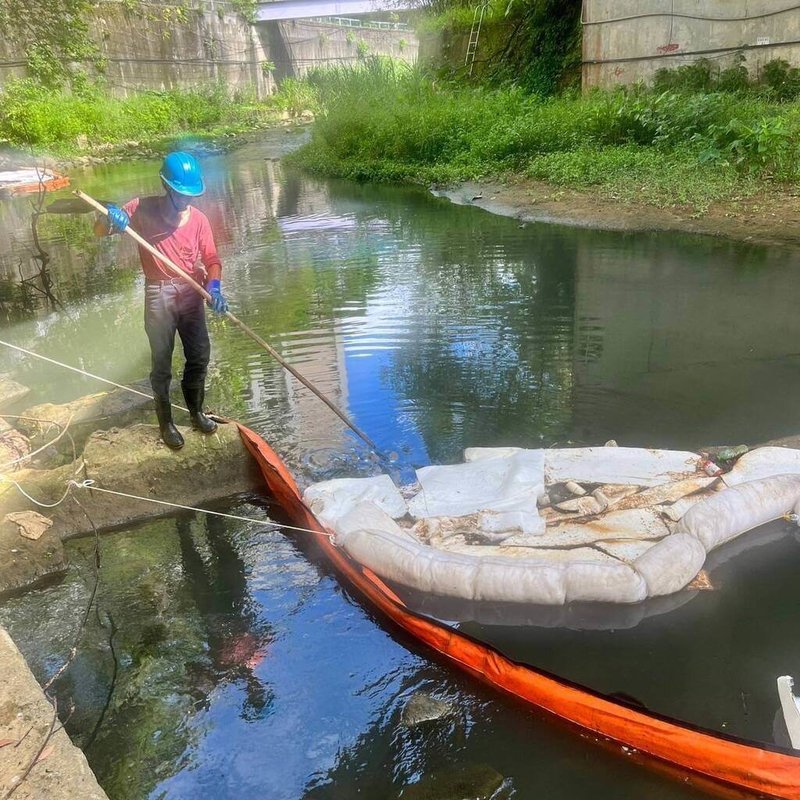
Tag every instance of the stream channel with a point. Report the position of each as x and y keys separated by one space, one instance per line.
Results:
x=239 y=668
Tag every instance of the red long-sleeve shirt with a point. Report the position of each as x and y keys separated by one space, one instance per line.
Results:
x=185 y=245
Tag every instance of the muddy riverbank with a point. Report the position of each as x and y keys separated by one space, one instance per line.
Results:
x=767 y=218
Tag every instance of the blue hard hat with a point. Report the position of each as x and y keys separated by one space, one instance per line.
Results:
x=181 y=172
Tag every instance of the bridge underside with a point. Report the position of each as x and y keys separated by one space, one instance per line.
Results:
x=303 y=9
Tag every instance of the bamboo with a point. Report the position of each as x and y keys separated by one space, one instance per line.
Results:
x=235 y=320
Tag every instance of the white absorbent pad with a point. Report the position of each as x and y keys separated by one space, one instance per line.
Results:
x=763 y=462
x=330 y=500
x=727 y=514
x=634 y=466
x=511 y=483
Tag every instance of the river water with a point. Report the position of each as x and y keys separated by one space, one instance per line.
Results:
x=223 y=663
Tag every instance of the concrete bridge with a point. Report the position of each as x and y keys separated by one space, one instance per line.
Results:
x=303 y=34
x=305 y=9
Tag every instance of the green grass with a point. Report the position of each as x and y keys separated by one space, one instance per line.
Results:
x=66 y=123
x=385 y=121
x=631 y=173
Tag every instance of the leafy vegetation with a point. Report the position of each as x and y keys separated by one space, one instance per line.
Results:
x=541 y=50
x=776 y=80
x=383 y=120
x=533 y=44
x=53 y=34
x=64 y=121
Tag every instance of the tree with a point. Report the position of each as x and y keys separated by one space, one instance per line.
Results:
x=53 y=34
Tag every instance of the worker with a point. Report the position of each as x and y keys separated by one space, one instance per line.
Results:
x=183 y=234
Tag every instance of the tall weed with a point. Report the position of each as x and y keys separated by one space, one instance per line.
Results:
x=58 y=119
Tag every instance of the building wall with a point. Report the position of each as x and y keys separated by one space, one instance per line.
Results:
x=669 y=33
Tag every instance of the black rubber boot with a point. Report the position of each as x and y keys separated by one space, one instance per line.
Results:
x=194 y=402
x=169 y=433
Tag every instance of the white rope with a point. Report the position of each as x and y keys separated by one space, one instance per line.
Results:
x=84 y=372
x=43 y=447
x=33 y=499
x=89 y=484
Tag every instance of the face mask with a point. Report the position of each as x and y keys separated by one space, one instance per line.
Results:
x=179 y=201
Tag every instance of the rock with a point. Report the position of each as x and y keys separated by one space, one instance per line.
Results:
x=64 y=771
x=135 y=461
x=469 y=782
x=11 y=392
x=423 y=707
x=88 y=414
x=24 y=561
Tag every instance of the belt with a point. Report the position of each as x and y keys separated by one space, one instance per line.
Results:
x=166 y=281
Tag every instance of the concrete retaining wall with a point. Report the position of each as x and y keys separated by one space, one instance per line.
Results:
x=311 y=44
x=663 y=33
x=26 y=716
x=201 y=48
x=161 y=47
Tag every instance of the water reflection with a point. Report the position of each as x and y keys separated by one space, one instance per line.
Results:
x=215 y=575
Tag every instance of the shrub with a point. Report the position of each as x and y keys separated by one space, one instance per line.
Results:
x=768 y=145
x=695 y=77
x=295 y=95
x=55 y=118
x=781 y=80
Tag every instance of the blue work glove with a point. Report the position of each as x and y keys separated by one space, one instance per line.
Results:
x=117 y=218
x=218 y=303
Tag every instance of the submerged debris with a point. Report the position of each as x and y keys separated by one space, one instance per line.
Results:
x=423 y=707
x=463 y=782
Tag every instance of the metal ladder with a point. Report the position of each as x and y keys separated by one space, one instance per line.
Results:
x=474 y=34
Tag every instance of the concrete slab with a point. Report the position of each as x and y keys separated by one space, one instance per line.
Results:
x=26 y=716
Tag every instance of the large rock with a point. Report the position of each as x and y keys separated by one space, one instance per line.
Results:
x=26 y=717
x=85 y=415
x=422 y=708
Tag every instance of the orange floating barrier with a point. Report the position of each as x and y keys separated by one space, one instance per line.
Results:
x=732 y=764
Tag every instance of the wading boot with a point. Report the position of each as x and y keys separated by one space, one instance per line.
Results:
x=194 y=396
x=169 y=433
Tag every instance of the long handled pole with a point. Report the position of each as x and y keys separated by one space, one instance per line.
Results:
x=235 y=320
